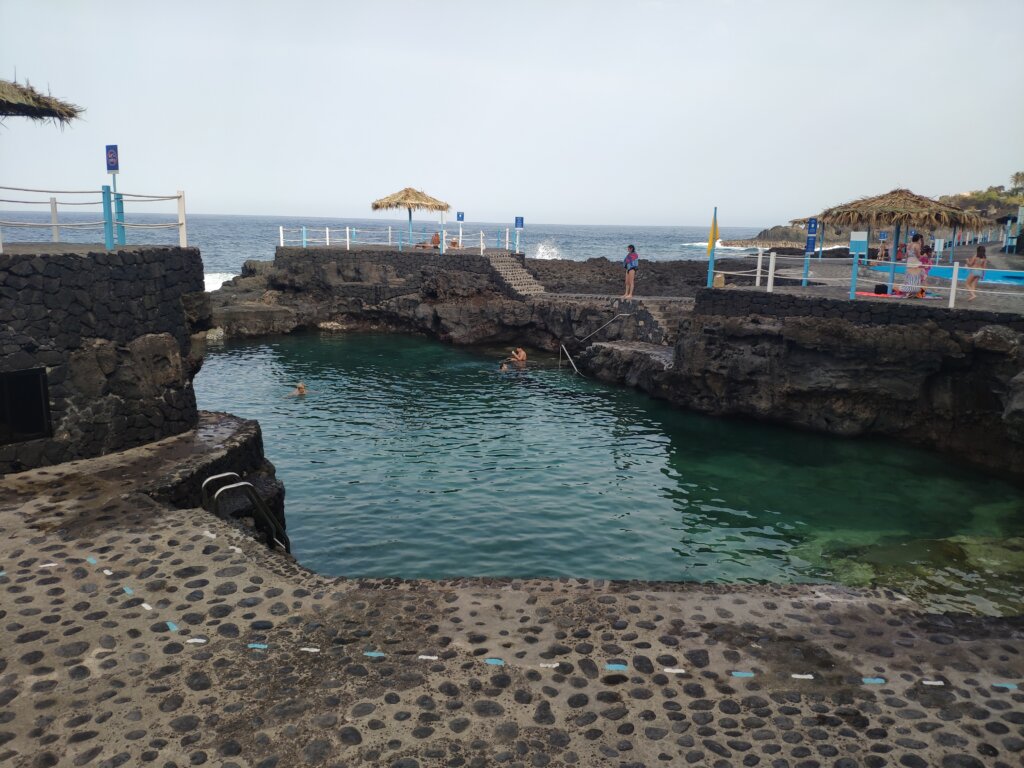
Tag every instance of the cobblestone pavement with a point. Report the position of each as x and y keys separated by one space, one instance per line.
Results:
x=133 y=634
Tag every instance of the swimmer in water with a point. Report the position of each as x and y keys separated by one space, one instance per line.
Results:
x=299 y=391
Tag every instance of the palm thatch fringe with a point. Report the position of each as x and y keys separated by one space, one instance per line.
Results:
x=25 y=101
x=901 y=206
x=410 y=198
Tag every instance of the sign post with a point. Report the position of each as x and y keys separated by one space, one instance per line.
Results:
x=460 y=216
x=519 y=228
x=113 y=167
x=812 y=234
x=858 y=247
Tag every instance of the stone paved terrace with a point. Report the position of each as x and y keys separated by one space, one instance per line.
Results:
x=136 y=634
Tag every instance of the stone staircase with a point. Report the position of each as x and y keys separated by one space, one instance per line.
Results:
x=510 y=272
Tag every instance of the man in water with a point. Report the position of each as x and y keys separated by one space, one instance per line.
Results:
x=630 y=263
x=299 y=391
x=518 y=358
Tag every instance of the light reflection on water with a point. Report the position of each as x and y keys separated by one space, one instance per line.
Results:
x=410 y=458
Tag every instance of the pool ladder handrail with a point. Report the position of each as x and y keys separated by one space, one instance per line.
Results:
x=265 y=519
x=561 y=346
x=623 y=314
x=561 y=349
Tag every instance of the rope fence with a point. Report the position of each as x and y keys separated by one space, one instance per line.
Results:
x=860 y=276
x=114 y=224
x=399 y=238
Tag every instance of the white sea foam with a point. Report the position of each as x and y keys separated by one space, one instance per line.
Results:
x=718 y=246
x=215 y=280
x=547 y=251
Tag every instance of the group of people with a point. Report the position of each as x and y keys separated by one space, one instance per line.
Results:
x=921 y=258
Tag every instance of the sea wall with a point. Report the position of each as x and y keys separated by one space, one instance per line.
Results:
x=458 y=297
x=111 y=332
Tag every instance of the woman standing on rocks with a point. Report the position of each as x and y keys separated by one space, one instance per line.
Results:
x=630 y=263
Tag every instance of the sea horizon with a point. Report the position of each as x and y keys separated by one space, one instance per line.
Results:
x=227 y=241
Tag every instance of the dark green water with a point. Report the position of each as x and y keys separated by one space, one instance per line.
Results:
x=415 y=459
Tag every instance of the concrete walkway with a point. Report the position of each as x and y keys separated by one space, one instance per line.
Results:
x=136 y=634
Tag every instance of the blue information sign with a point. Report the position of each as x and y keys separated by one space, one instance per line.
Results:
x=883 y=236
x=519 y=222
x=913 y=232
x=812 y=226
x=112 y=163
x=460 y=216
x=809 y=248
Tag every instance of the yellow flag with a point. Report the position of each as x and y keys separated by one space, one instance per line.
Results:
x=713 y=234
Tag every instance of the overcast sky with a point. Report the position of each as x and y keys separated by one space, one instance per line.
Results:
x=629 y=112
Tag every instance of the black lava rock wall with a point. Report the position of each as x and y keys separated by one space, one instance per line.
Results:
x=110 y=330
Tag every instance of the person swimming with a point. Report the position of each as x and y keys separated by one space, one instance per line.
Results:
x=299 y=391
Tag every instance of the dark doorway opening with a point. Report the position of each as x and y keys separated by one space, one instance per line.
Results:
x=24 y=406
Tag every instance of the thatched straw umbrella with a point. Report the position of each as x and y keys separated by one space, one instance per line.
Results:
x=410 y=199
x=24 y=101
x=901 y=207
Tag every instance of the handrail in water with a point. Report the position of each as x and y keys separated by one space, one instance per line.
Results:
x=561 y=348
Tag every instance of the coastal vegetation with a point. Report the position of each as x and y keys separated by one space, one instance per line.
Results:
x=993 y=202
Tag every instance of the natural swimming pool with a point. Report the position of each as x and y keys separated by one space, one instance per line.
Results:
x=415 y=459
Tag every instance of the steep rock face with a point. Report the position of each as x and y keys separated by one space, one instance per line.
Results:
x=960 y=392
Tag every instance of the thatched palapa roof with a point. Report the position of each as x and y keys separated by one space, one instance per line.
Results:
x=903 y=207
x=412 y=199
x=25 y=101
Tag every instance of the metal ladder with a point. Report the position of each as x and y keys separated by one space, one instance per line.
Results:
x=265 y=519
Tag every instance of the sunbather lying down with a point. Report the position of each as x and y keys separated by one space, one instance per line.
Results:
x=435 y=242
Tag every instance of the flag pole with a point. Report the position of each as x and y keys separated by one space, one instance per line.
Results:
x=712 y=237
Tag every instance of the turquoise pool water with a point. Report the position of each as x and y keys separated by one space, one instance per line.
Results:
x=1002 y=276
x=415 y=459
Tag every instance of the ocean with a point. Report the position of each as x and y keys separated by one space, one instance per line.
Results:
x=226 y=242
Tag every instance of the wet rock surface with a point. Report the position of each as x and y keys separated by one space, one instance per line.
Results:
x=134 y=633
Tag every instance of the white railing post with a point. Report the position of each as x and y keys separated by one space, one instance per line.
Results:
x=327 y=235
x=348 y=239
x=771 y=272
x=481 y=242
x=952 y=285
x=182 y=228
x=760 y=257
x=389 y=235
x=54 y=229
x=280 y=235
x=506 y=238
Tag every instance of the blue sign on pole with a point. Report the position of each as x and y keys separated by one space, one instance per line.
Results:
x=883 y=236
x=112 y=162
x=809 y=248
x=812 y=226
x=460 y=216
x=519 y=222
x=913 y=232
